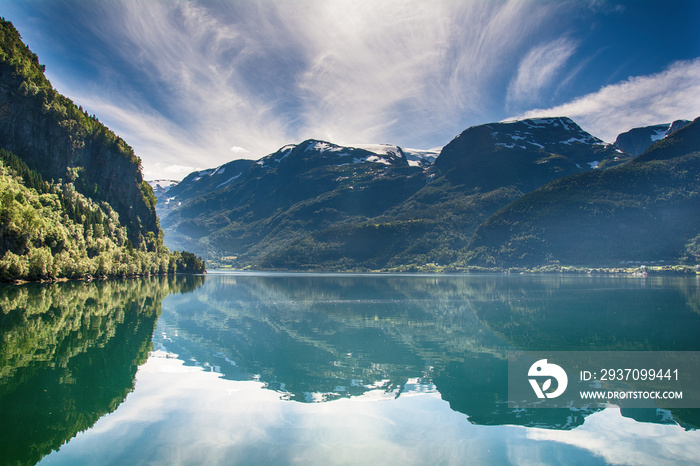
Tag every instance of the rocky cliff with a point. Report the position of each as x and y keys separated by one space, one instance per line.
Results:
x=59 y=140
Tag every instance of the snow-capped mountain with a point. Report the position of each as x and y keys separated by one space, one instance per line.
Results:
x=539 y=132
x=161 y=187
x=317 y=202
x=313 y=152
x=646 y=211
x=204 y=181
x=525 y=153
x=415 y=157
x=326 y=153
x=638 y=140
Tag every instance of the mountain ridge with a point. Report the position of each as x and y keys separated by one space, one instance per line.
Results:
x=642 y=212
x=637 y=140
x=423 y=213
x=60 y=140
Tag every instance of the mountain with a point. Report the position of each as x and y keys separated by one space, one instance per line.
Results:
x=524 y=154
x=317 y=205
x=254 y=208
x=73 y=199
x=205 y=181
x=637 y=140
x=161 y=187
x=645 y=211
x=61 y=141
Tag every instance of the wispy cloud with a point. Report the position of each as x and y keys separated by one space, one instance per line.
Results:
x=184 y=98
x=184 y=82
x=637 y=101
x=196 y=83
x=537 y=71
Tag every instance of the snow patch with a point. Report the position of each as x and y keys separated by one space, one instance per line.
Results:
x=422 y=156
x=538 y=122
x=287 y=151
x=377 y=159
x=379 y=149
x=323 y=147
x=371 y=158
x=659 y=134
x=163 y=183
x=415 y=157
x=228 y=181
x=510 y=146
x=573 y=140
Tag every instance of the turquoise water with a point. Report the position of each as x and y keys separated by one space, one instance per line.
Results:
x=328 y=369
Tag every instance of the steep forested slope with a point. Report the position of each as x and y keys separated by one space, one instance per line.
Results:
x=59 y=140
x=73 y=201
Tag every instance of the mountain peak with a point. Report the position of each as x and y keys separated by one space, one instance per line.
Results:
x=540 y=132
x=524 y=153
x=323 y=153
x=686 y=140
x=314 y=145
x=638 y=140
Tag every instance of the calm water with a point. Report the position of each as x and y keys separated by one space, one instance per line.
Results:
x=327 y=369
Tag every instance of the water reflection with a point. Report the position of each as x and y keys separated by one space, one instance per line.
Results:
x=312 y=369
x=321 y=338
x=69 y=354
x=182 y=414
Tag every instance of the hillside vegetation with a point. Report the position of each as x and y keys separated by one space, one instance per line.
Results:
x=60 y=140
x=73 y=202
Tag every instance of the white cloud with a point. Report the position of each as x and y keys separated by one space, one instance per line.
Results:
x=185 y=99
x=164 y=171
x=537 y=70
x=621 y=440
x=183 y=414
x=184 y=82
x=637 y=101
x=266 y=74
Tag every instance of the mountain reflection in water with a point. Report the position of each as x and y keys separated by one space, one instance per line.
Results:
x=69 y=355
x=342 y=368
x=325 y=337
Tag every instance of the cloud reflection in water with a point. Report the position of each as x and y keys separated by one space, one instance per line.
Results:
x=182 y=414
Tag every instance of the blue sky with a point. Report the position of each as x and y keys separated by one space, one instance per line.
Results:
x=195 y=84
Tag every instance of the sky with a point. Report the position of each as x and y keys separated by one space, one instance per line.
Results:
x=195 y=84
